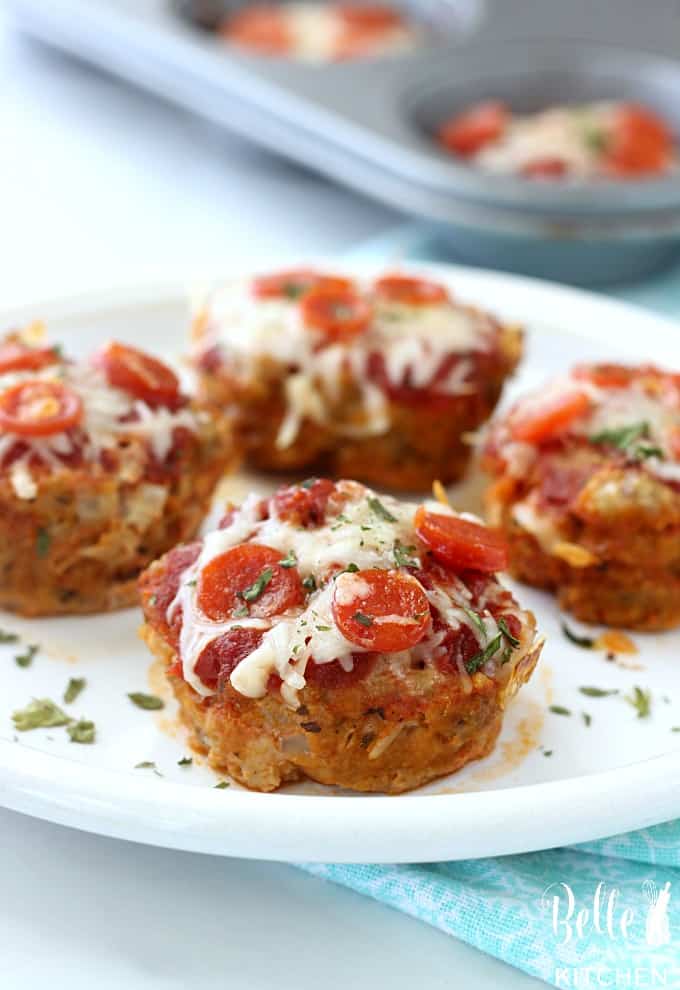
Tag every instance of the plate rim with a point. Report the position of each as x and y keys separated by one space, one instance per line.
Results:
x=115 y=803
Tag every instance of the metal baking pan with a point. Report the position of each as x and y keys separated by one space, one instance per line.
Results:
x=368 y=123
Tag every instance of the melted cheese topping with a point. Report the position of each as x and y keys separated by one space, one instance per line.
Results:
x=353 y=535
x=109 y=414
x=576 y=135
x=317 y=34
x=412 y=341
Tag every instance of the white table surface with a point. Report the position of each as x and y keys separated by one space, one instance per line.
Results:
x=100 y=186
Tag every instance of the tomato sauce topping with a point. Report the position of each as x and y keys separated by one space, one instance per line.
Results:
x=248 y=580
x=39 y=408
x=545 y=168
x=304 y=505
x=387 y=611
x=144 y=376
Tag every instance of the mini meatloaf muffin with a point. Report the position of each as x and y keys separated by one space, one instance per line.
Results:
x=606 y=140
x=104 y=465
x=381 y=381
x=587 y=492
x=330 y=634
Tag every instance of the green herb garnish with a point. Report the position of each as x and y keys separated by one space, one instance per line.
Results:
x=512 y=640
x=8 y=637
x=627 y=438
x=365 y=620
x=186 y=761
x=350 y=569
x=403 y=556
x=41 y=713
x=42 y=542
x=254 y=590
x=73 y=689
x=149 y=702
x=477 y=620
x=595 y=692
x=290 y=560
x=378 y=509
x=25 y=659
x=595 y=138
x=641 y=701
x=587 y=719
x=479 y=659
x=293 y=290
x=222 y=785
x=308 y=482
x=622 y=437
x=586 y=642
x=309 y=583
x=82 y=731
x=559 y=710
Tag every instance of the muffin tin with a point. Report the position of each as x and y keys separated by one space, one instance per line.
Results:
x=368 y=123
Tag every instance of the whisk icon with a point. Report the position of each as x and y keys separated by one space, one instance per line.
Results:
x=657 y=930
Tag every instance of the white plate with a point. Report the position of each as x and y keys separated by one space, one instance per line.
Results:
x=620 y=773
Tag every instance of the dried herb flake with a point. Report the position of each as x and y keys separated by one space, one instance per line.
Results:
x=74 y=688
x=149 y=702
x=40 y=713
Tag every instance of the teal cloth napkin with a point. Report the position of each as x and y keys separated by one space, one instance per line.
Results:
x=525 y=909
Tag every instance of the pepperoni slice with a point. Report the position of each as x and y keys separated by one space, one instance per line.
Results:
x=461 y=543
x=248 y=580
x=370 y=16
x=545 y=168
x=410 y=291
x=338 y=313
x=468 y=132
x=133 y=371
x=605 y=375
x=15 y=356
x=386 y=611
x=295 y=283
x=260 y=27
x=640 y=143
x=537 y=420
x=304 y=505
x=220 y=657
x=39 y=408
